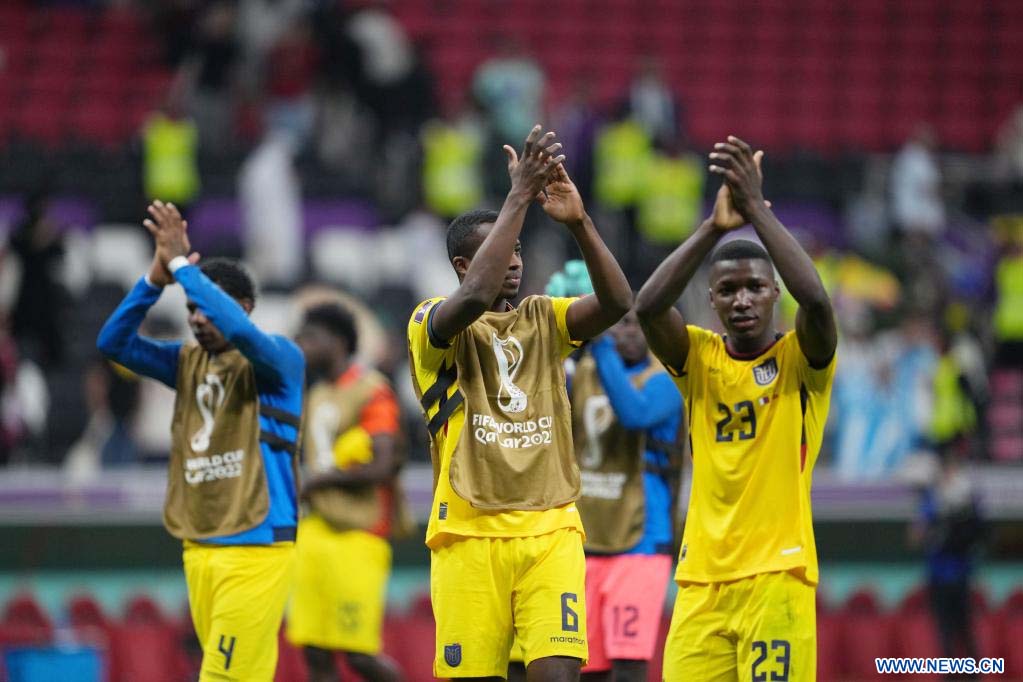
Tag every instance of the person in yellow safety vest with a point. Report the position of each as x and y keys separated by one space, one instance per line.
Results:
x=169 y=142
x=960 y=380
x=1008 y=315
x=452 y=157
x=621 y=155
x=671 y=198
x=954 y=415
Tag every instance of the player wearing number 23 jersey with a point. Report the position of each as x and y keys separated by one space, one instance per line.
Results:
x=757 y=402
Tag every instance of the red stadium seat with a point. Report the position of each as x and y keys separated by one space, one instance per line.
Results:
x=146 y=651
x=291 y=665
x=410 y=640
x=1012 y=633
x=829 y=643
x=143 y=609
x=41 y=119
x=656 y=667
x=867 y=635
x=988 y=626
x=100 y=121
x=24 y=623
x=916 y=633
x=87 y=619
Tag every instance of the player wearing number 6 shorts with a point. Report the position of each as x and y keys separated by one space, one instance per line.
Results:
x=757 y=401
x=504 y=534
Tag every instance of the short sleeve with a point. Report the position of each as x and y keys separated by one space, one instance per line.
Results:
x=561 y=306
x=698 y=339
x=425 y=353
x=815 y=380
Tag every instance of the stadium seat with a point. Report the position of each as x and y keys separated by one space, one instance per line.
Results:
x=146 y=651
x=143 y=610
x=988 y=626
x=656 y=667
x=25 y=623
x=868 y=633
x=291 y=665
x=915 y=631
x=1012 y=633
x=84 y=612
x=410 y=639
x=829 y=643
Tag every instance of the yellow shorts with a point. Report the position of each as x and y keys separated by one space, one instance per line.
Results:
x=236 y=594
x=340 y=588
x=756 y=629
x=487 y=591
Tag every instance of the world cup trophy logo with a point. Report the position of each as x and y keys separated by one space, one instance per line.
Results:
x=510 y=398
x=597 y=419
x=209 y=396
x=324 y=422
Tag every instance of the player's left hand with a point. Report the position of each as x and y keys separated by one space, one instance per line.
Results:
x=739 y=166
x=169 y=229
x=561 y=199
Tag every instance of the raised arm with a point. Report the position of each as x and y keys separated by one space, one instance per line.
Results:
x=273 y=357
x=612 y=297
x=120 y=341
x=484 y=278
x=661 y=321
x=636 y=408
x=736 y=162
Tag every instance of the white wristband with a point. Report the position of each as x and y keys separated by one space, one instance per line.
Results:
x=150 y=283
x=177 y=263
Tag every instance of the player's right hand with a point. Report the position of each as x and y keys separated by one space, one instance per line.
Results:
x=530 y=172
x=725 y=216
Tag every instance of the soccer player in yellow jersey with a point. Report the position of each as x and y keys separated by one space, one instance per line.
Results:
x=757 y=401
x=505 y=537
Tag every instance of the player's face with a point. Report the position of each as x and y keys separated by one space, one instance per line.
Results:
x=743 y=293
x=513 y=276
x=208 y=336
x=629 y=339
x=321 y=349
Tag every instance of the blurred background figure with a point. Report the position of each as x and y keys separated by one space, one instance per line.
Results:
x=170 y=147
x=210 y=68
x=510 y=89
x=950 y=531
x=112 y=399
x=37 y=320
x=652 y=103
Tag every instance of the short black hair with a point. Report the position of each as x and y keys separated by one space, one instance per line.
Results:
x=337 y=320
x=739 y=249
x=230 y=276
x=463 y=228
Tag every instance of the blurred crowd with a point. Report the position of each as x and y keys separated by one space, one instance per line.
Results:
x=929 y=293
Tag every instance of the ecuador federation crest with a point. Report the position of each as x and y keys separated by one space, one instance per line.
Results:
x=453 y=654
x=765 y=372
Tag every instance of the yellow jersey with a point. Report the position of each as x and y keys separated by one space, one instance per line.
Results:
x=434 y=372
x=756 y=425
